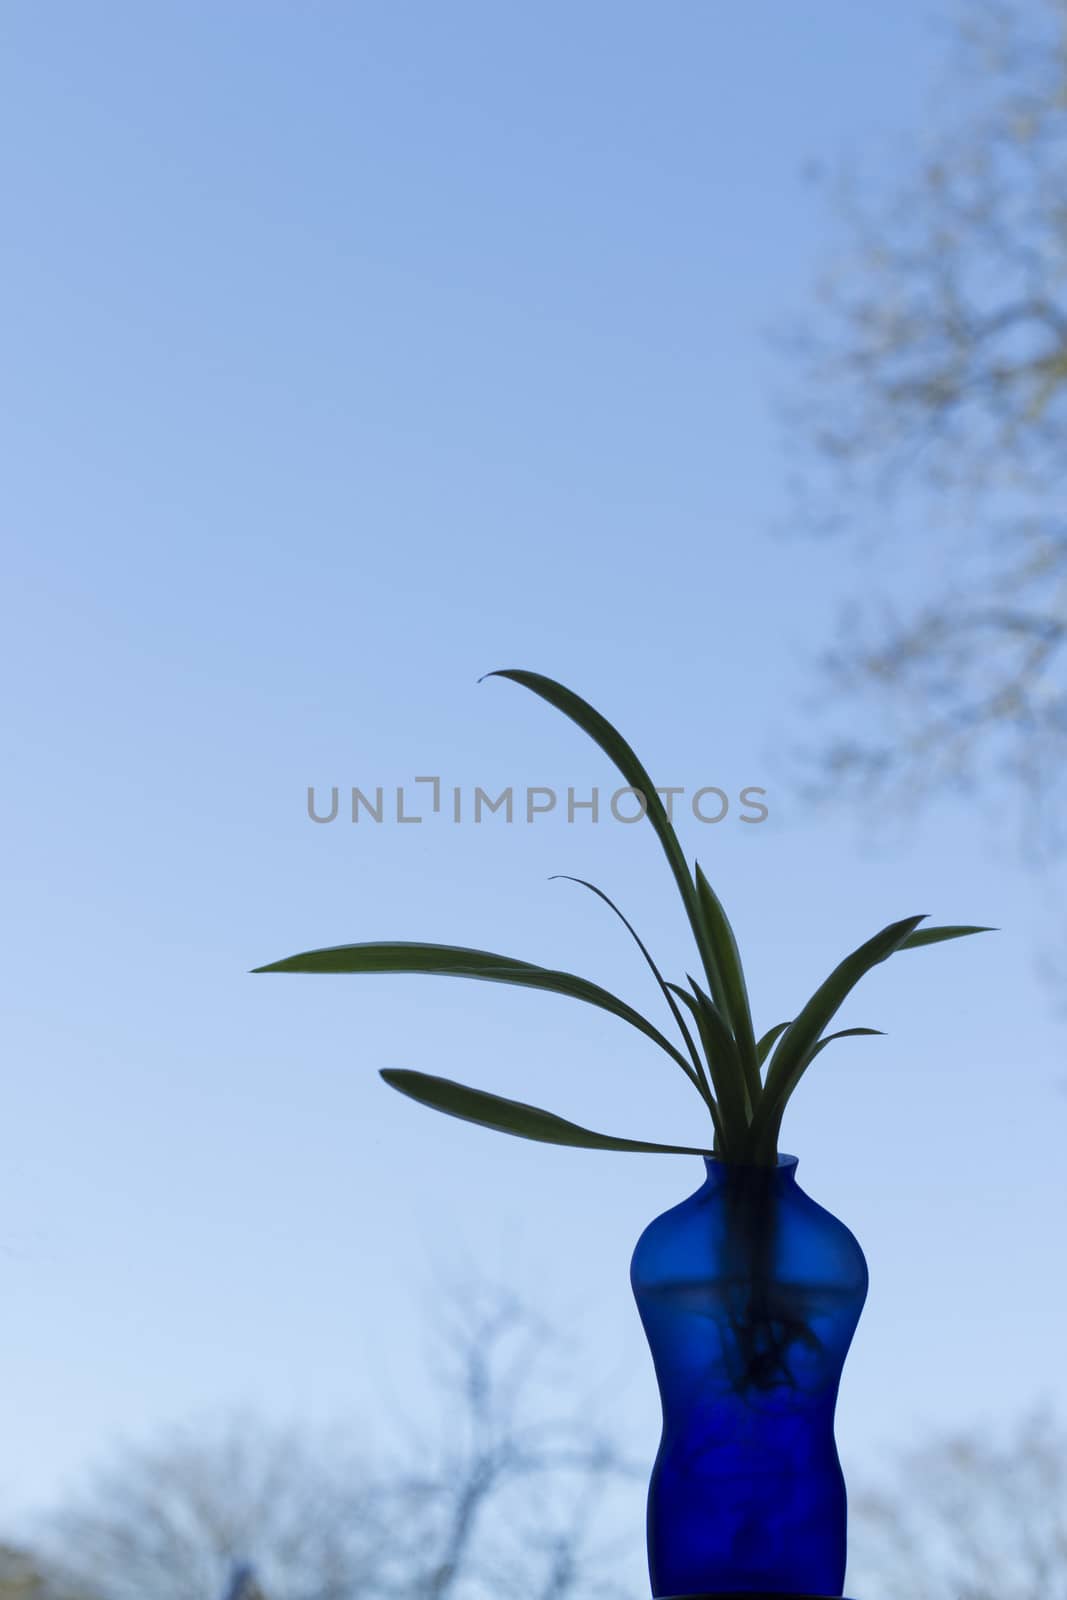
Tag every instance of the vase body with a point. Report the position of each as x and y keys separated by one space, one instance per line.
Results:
x=749 y=1294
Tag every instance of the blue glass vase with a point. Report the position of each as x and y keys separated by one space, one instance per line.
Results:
x=749 y=1294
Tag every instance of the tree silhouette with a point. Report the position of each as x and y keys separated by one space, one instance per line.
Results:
x=928 y=392
x=499 y=1495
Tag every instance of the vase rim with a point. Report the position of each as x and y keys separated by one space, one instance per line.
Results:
x=785 y=1163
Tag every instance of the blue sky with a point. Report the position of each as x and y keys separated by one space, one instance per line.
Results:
x=355 y=352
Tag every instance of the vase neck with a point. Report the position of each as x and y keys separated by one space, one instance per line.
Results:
x=720 y=1174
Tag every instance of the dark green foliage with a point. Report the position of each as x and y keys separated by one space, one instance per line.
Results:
x=745 y=1085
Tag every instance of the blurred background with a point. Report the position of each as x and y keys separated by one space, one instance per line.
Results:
x=710 y=360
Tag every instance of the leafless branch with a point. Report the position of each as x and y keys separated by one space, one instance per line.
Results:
x=931 y=395
x=502 y=1493
x=968 y=1517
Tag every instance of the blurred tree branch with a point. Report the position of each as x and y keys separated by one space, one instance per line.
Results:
x=968 y=1518
x=931 y=396
x=21 y=1578
x=501 y=1496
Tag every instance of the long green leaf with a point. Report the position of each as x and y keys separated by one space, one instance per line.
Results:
x=454 y=961
x=768 y=1040
x=626 y=760
x=794 y=1049
x=846 y=1033
x=512 y=1116
x=732 y=995
x=842 y=1033
x=936 y=935
x=723 y=1064
x=697 y=1076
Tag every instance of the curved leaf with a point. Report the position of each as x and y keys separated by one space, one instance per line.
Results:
x=455 y=961
x=512 y=1116
x=846 y=1033
x=628 y=763
x=768 y=1040
x=723 y=1065
x=729 y=989
x=842 y=1033
x=795 y=1047
x=626 y=760
x=936 y=935
x=697 y=1076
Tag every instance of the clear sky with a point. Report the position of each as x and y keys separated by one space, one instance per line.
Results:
x=351 y=352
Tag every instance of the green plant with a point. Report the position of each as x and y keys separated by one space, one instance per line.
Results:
x=744 y=1081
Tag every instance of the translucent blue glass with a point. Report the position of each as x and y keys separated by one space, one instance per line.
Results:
x=749 y=1294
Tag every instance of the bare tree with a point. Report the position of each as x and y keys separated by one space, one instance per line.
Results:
x=502 y=1495
x=510 y=1499
x=244 y=1584
x=930 y=403
x=969 y=1517
x=21 y=1577
x=172 y=1519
